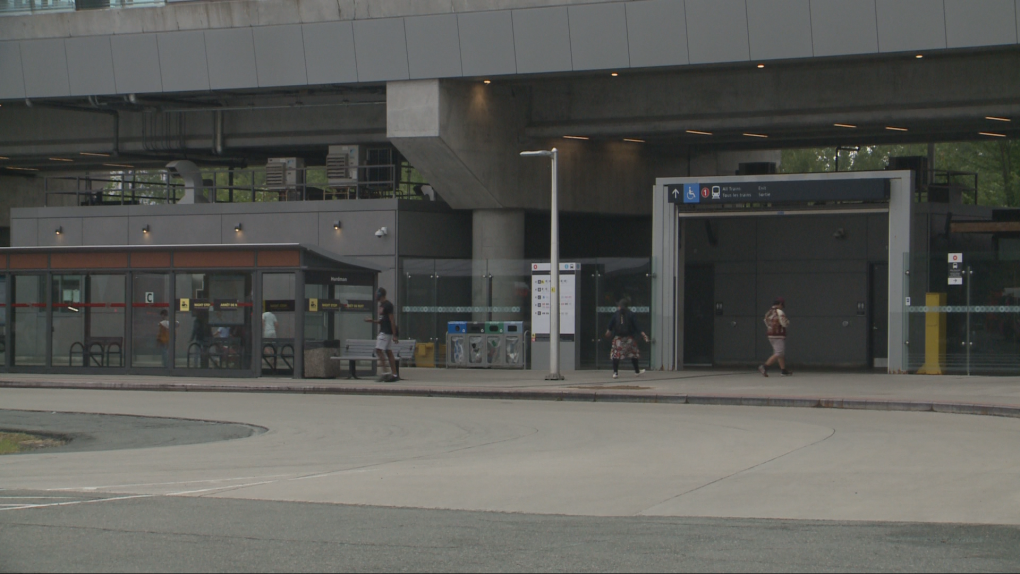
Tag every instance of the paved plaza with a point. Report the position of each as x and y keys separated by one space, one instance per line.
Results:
x=303 y=480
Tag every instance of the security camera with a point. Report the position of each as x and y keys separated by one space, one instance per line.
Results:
x=382 y=232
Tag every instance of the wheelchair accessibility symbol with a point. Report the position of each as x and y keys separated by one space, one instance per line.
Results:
x=691 y=194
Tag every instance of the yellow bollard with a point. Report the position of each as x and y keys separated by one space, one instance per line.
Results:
x=934 y=336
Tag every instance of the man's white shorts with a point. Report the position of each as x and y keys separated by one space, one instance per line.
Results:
x=778 y=346
x=383 y=342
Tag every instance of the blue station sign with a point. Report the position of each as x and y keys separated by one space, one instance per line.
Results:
x=722 y=193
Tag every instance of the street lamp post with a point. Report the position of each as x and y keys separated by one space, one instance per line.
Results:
x=554 y=267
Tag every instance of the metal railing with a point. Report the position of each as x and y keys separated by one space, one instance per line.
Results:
x=159 y=187
x=29 y=7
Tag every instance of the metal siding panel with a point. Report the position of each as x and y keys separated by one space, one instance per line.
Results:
x=231 y=54
x=136 y=63
x=44 y=64
x=542 y=40
x=433 y=47
x=90 y=66
x=487 y=43
x=329 y=53
x=985 y=23
x=182 y=63
x=176 y=230
x=106 y=231
x=657 y=33
x=280 y=56
x=839 y=27
x=381 y=48
x=717 y=31
x=12 y=81
x=779 y=29
x=908 y=25
x=598 y=36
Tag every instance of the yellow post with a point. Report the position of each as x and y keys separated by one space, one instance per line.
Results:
x=934 y=335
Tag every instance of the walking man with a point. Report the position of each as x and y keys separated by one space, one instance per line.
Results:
x=387 y=338
x=776 y=323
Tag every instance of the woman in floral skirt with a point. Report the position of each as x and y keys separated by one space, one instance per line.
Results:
x=623 y=328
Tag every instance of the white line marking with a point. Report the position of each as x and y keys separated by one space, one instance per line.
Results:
x=33 y=497
x=92 y=488
x=235 y=486
x=33 y=506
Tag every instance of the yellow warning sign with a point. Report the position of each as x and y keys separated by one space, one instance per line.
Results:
x=313 y=305
x=185 y=305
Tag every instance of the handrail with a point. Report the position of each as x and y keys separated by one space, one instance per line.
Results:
x=156 y=187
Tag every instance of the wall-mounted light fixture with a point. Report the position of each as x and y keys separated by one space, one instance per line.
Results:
x=337 y=225
x=840 y=234
x=383 y=232
x=59 y=230
x=238 y=228
x=146 y=229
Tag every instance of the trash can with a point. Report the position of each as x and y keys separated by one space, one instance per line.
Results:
x=456 y=350
x=494 y=327
x=475 y=327
x=456 y=327
x=476 y=355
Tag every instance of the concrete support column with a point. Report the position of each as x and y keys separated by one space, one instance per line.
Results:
x=497 y=243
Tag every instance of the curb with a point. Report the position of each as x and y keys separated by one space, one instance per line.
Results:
x=1010 y=411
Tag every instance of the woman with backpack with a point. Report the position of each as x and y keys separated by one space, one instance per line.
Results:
x=623 y=328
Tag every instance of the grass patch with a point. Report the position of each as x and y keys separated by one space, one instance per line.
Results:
x=16 y=442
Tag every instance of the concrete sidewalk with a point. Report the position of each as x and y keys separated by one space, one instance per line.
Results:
x=965 y=395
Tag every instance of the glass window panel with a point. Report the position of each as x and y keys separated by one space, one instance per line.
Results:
x=3 y=320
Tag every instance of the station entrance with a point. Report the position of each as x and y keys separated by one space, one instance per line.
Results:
x=832 y=245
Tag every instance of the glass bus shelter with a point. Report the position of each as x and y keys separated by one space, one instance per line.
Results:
x=237 y=311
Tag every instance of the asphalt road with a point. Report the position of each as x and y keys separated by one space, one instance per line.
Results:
x=161 y=534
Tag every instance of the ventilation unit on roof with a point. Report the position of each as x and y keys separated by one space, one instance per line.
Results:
x=342 y=165
x=285 y=173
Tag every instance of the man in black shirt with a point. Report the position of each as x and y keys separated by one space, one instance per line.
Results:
x=387 y=337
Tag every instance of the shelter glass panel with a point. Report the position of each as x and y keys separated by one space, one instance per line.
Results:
x=88 y=320
x=3 y=320
x=278 y=323
x=29 y=326
x=214 y=321
x=150 y=321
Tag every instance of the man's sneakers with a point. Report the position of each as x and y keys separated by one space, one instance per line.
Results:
x=639 y=373
x=616 y=375
x=387 y=378
x=763 y=370
x=787 y=373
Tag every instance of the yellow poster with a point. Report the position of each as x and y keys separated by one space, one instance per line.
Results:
x=313 y=305
x=185 y=305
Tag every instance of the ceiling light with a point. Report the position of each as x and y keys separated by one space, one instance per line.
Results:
x=992 y=134
x=615 y=74
x=895 y=129
x=750 y=135
x=699 y=133
x=94 y=154
x=997 y=119
x=60 y=159
x=487 y=82
x=22 y=168
x=631 y=140
x=844 y=125
x=4 y=157
x=575 y=138
x=760 y=66
x=919 y=56
x=119 y=165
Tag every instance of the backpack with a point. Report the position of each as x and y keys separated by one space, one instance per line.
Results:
x=773 y=324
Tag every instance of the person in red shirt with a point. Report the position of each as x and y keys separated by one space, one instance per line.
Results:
x=776 y=323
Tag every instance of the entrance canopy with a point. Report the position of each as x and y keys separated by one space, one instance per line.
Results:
x=211 y=310
x=811 y=235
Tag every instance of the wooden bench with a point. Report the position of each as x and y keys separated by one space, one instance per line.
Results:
x=355 y=350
